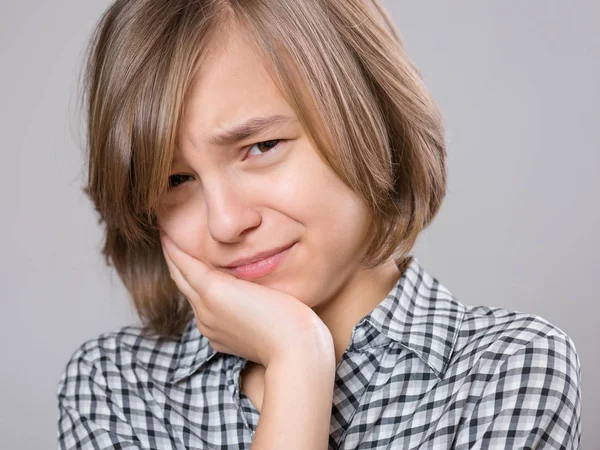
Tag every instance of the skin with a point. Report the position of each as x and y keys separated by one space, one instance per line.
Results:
x=239 y=199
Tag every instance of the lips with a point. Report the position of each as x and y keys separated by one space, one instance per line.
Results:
x=256 y=257
x=261 y=267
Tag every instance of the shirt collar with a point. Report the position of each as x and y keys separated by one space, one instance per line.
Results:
x=418 y=313
x=194 y=352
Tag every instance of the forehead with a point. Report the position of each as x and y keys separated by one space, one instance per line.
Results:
x=231 y=85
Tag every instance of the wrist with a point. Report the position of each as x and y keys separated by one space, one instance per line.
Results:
x=309 y=373
x=298 y=383
x=310 y=348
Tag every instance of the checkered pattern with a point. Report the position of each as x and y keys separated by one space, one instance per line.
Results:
x=422 y=371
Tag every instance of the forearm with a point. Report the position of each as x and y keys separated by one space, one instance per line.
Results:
x=296 y=409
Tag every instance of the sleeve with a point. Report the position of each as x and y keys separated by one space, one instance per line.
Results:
x=531 y=401
x=89 y=413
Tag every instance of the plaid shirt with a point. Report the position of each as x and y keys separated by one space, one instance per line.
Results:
x=421 y=371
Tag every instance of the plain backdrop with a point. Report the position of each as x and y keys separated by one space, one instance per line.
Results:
x=518 y=86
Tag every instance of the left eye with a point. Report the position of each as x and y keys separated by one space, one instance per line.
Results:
x=266 y=145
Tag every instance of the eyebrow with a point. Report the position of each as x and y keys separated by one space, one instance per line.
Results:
x=244 y=130
x=249 y=128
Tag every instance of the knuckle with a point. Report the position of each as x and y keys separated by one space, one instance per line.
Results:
x=215 y=345
x=209 y=320
x=202 y=328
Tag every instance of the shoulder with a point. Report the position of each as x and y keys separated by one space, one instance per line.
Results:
x=119 y=354
x=108 y=383
x=523 y=376
x=497 y=334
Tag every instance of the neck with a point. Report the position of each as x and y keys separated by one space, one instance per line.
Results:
x=365 y=290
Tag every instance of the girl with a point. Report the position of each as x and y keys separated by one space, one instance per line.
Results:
x=263 y=169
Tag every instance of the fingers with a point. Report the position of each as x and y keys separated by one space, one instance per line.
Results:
x=191 y=277
x=179 y=279
x=192 y=270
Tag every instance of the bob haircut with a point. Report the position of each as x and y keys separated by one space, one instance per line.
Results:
x=338 y=63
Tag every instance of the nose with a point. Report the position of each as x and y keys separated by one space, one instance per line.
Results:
x=229 y=212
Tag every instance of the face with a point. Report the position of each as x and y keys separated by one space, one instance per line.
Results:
x=235 y=199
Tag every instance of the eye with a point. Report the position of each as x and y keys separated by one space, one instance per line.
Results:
x=267 y=145
x=177 y=179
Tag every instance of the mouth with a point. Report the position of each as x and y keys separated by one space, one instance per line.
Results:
x=260 y=267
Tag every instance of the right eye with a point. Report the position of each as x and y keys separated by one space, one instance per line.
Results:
x=177 y=179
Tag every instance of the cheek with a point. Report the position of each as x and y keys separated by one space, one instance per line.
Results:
x=302 y=188
x=343 y=224
x=289 y=190
x=184 y=225
x=334 y=217
x=334 y=204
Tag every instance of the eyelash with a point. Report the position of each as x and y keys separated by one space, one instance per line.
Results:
x=277 y=141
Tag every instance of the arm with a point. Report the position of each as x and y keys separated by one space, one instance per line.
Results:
x=296 y=411
x=533 y=400
x=274 y=329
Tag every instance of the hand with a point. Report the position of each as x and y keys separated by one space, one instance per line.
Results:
x=244 y=318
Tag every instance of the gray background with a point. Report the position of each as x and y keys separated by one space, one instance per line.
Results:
x=518 y=85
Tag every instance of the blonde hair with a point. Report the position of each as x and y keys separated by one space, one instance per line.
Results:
x=375 y=122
